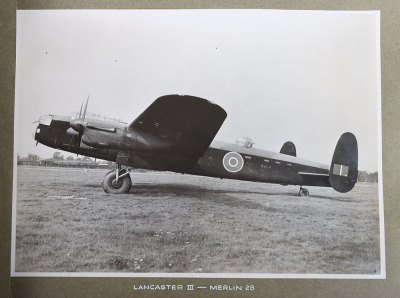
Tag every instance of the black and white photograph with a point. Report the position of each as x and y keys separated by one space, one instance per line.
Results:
x=198 y=143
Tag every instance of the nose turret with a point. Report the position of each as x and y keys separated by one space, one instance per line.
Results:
x=51 y=131
x=44 y=123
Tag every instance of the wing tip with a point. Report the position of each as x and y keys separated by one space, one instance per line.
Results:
x=191 y=97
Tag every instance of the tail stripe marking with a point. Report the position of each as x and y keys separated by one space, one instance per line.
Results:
x=340 y=170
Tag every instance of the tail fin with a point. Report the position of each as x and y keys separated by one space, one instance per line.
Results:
x=289 y=149
x=344 y=167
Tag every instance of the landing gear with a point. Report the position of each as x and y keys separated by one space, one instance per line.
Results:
x=303 y=192
x=117 y=181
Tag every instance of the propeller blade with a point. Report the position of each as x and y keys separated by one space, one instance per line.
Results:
x=84 y=111
x=78 y=141
x=72 y=132
x=70 y=142
x=80 y=112
x=77 y=127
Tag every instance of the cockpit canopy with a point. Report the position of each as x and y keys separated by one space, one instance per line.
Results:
x=245 y=142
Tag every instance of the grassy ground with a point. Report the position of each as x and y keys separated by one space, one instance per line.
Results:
x=183 y=223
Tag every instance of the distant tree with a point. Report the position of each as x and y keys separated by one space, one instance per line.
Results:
x=57 y=155
x=364 y=176
x=69 y=158
x=85 y=158
x=33 y=157
x=374 y=176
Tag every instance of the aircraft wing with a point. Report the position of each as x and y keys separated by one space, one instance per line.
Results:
x=182 y=125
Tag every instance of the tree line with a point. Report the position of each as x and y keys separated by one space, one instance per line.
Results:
x=56 y=156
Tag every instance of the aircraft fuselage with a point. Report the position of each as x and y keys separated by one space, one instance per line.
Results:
x=115 y=142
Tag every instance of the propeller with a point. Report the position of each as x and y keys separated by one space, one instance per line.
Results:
x=77 y=126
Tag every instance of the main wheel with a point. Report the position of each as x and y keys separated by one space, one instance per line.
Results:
x=111 y=185
x=303 y=192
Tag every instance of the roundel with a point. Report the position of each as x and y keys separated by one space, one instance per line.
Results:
x=233 y=162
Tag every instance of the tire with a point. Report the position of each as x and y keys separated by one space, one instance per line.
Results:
x=110 y=186
x=303 y=192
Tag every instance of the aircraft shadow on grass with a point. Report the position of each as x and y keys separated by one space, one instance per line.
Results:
x=222 y=196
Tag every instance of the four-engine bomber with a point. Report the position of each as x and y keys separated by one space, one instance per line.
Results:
x=176 y=133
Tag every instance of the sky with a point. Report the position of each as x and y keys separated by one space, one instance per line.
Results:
x=300 y=76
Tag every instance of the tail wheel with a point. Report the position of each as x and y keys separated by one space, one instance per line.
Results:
x=303 y=192
x=111 y=185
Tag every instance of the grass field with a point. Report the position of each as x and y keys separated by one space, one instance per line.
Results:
x=182 y=223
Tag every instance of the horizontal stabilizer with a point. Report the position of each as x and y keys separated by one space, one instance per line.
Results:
x=289 y=149
x=344 y=167
x=314 y=179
